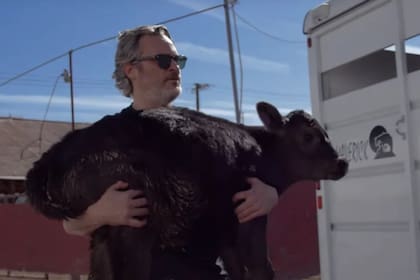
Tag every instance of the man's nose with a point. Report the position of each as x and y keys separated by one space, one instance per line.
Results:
x=174 y=66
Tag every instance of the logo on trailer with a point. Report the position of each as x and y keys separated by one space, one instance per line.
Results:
x=380 y=142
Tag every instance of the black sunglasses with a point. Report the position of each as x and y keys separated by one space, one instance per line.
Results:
x=164 y=60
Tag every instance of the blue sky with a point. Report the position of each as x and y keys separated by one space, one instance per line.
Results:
x=32 y=32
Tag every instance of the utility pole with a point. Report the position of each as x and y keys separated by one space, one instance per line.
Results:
x=232 y=61
x=197 y=88
x=71 y=88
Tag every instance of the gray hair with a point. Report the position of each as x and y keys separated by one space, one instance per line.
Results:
x=127 y=50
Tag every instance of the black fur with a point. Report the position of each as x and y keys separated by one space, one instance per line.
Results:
x=189 y=166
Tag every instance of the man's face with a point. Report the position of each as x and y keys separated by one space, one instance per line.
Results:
x=152 y=85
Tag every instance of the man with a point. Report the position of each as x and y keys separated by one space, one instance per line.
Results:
x=148 y=69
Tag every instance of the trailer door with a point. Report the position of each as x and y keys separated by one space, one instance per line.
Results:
x=365 y=88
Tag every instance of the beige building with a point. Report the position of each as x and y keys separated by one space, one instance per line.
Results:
x=22 y=142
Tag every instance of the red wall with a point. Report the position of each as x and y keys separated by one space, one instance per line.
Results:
x=28 y=241
x=293 y=235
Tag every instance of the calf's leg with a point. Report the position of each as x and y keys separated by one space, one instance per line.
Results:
x=252 y=250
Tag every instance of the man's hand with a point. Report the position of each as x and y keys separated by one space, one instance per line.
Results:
x=120 y=207
x=259 y=200
x=116 y=207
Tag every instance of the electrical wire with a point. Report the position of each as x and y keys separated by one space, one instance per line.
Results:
x=32 y=69
x=191 y=14
x=42 y=81
x=46 y=111
x=41 y=129
x=236 y=15
x=101 y=41
x=268 y=34
x=35 y=77
x=45 y=82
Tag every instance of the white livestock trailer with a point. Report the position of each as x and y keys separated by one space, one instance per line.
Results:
x=364 y=68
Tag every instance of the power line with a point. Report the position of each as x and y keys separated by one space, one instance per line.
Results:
x=268 y=34
x=44 y=82
x=103 y=84
x=192 y=14
x=102 y=41
x=84 y=82
x=162 y=22
x=41 y=129
x=32 y=69
x=34 y=77
x=46 y=111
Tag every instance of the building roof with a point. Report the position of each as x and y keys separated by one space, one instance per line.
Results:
x=22 y=142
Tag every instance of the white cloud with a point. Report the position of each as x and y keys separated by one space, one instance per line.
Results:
x=222 y=109
x=108 y=103
x=246 y=107
x=412 y=49
x=220 y=56
x=223 y=113
x=227 y=105
x=97 y=103
x=252 y=119
x=408 y=49
x=183 y=102
x=226 y=110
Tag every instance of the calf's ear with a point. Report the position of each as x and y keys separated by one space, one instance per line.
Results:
x=270 y=116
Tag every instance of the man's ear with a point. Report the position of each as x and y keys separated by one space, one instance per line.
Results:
x=128 y=69
x=270 y=116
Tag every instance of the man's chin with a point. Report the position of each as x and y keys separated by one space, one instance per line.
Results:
x=172 y=95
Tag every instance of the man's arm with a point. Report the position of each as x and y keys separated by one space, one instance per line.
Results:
x=259 y=200
x=118 y=206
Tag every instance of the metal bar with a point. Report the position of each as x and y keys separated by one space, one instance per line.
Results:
x=232 y=62
x=409 y=166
